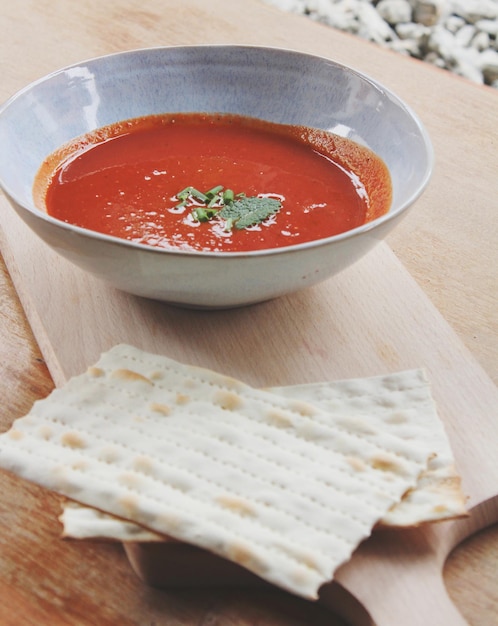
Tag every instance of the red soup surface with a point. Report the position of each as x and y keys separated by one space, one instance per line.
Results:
x=140 y=180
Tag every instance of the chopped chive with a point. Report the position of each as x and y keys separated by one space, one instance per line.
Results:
x=228 y=196
x=204 y=214
x=214 y=191
x=198 y=194
x=184 y=193
x=213 y=201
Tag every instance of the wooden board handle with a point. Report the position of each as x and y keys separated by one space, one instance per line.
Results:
x=428 y=604
x=398 y=574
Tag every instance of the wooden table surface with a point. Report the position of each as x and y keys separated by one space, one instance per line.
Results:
x=447 y=243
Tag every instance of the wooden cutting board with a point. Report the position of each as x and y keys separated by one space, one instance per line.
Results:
x=371 y=319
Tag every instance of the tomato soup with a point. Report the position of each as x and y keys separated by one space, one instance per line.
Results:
x=213 y=182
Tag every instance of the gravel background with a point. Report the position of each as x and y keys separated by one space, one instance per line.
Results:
x=460 y=36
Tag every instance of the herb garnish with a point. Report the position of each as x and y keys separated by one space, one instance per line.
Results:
x=238 y=210
x=248 y=211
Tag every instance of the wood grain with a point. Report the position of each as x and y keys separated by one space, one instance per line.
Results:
x=47 y=581
x=314 y=347
x=452 y=259
x=44 y=580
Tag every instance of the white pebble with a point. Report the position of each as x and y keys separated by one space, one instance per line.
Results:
x=474 y=10
x=434 y=59
x=372 y=26
x=394 y=11
x=488 y=61
x=442 y=42
x=458 y=35
x=464 y=63
x=453 y=23
x=406 y=46
x=464 y=36
x=481 y=41
x=488 y=26
x=409 y=30
x=427 y=12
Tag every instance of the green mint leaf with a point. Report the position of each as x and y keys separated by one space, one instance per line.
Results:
x=249 y=211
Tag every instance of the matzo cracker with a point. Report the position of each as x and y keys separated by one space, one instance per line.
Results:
x=84 y=522
x=279 y=486
x=401 y=403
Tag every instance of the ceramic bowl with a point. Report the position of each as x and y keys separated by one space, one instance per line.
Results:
x=269 y=83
